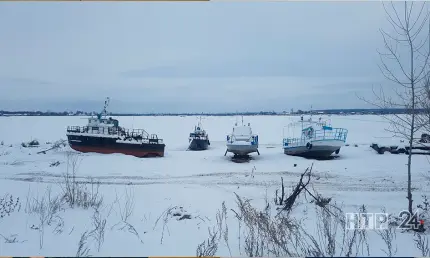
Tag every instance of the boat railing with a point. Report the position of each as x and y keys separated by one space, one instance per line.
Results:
x=113 y=131
x=199 y=136
x=293 y=142
x=154 y=139
x=317 y=135
x=133 y=133
x=333 y=134
x=92 y=130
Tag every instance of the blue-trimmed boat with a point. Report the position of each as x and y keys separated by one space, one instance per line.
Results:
x=317 y=139
x=242 y=142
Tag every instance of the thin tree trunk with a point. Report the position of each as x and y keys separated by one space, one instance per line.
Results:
x=409 y=197
x=412 y=129
x=407 y=30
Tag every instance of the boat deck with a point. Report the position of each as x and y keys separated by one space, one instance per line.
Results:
x=114 y=132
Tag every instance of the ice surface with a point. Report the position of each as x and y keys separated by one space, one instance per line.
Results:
x=196 y=181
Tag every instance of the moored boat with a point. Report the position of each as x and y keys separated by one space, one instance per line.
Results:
x=104 y=135
x=199 y=139
x=317 y=139
x=242 y=141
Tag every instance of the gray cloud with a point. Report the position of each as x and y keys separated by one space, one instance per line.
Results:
x=153 y=57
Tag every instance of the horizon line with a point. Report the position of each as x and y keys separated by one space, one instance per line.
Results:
x=208 y=113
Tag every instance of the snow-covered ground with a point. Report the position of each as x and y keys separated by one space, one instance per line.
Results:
x=188 y=183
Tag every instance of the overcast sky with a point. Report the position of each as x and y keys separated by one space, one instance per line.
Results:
x=174 y=57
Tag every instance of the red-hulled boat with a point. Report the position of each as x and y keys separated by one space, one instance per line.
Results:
x=104 y=135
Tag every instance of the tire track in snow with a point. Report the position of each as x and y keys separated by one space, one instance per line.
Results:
x=332 y=186
x=321 y=181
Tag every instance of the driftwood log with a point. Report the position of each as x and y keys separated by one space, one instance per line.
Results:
x=56 y=145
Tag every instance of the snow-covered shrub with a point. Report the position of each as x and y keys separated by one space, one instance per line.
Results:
x=4 y=153
x=79 y=195
x=208 y=248
x=263 y=234
x=83 y=249
x=76 y=193
x=32 y=143
x=9 y=204
x=422 y=244
x=59 y=144
x=47 y=208
x=424 y=211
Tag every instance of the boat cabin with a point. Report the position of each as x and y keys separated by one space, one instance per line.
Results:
x=314 y=131
x=309 y=132
x=102 y=122
x=198 y=133
x=243 y=133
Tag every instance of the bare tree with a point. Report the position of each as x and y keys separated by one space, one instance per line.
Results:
x=424 y=104
x=405 y=64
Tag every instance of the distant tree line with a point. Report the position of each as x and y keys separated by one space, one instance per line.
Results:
x=260 y=113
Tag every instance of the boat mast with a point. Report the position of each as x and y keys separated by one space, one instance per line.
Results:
x=311 y=113
x=199 y=124
x=104 y=112
x=301 y=121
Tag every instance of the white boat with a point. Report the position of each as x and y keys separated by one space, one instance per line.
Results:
x=317 y=139
x=242 y=141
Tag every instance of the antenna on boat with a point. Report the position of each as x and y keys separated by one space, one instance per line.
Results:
x=199 y=123
x=242 y=120
x=104 y=112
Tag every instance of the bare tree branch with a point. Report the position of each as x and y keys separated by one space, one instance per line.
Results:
x=411 y=74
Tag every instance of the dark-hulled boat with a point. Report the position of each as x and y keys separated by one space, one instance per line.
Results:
x=199 y=139
x=104 y=135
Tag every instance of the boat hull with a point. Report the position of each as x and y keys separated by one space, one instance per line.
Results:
x=318 y=149
x=241 y=149
x=198 y=144
x=106 y=145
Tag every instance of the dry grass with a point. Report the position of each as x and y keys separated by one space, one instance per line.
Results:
x=262 y=234
x=75 y=193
